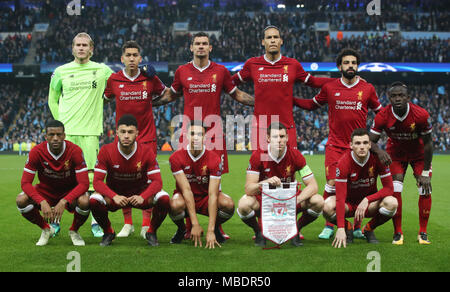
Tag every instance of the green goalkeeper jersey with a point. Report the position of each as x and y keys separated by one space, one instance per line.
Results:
x=76 y=97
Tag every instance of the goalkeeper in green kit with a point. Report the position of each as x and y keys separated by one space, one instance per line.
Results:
x=76 y=99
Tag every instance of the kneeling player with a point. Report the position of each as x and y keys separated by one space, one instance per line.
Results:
x=356 y=191
x=133 y=179
x=63 y=183
x=197 y=173
x=276 y=165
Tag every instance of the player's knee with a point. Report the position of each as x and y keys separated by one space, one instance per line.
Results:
x=226 y=203
x=244 y=205
x=83 y=202
x=390 y=203
x=162 y=199
x=96 y=199
x=22 y=200
x=329 y=206
x=317 y=202
x=177 y=205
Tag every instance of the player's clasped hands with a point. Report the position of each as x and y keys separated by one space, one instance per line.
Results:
x=53 y=215
x=123 y=201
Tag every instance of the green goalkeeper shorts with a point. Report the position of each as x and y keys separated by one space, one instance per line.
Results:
x=90 y=147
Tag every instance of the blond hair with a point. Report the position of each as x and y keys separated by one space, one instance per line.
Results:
x=84 y=35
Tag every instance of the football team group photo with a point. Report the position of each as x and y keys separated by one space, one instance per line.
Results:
x=217 y=136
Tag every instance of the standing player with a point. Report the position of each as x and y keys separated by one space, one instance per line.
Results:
x=133 y=179
x=63 y=183
x=356 y=191
x=76 y=99
x=274 y=76
x=197 y=172
x=349 y=99
x=133 y=91
x=201 y=82
x=409 y=130
x=280 y=168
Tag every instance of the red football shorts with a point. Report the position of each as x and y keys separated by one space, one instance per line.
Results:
x=332 y=156
x=399 y=167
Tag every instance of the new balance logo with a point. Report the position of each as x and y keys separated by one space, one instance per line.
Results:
x=116 y=166
x=337 y=94
x=189 y=78
x=121 y=86
x=260 y=68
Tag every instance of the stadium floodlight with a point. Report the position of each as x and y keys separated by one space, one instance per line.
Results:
x=281 y=6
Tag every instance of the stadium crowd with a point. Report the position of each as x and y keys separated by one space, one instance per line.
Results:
x=238 y=29
x=23 y=114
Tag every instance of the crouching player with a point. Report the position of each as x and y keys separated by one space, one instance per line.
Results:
x=133 y=179
x=63 y=183
x=276 y=165
x=197 y=172
x=356 y=191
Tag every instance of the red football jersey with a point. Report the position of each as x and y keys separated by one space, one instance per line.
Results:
x=202 y=88
x=405 y=142
x=198 y=170
x=274 y=84
x=356 y=181
x=59 y=176
x=135 y=174
x=267 y=166
x=348 y=106
x=133 y=95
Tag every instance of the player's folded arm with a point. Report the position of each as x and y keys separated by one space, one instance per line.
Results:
x=100 y=185
x=386 y=190
x=82 y=186
x=155 y=180
x=26 y=184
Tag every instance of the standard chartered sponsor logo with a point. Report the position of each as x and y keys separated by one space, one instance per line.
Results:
x=133 y=95
x=201 y=88
x=348 y=105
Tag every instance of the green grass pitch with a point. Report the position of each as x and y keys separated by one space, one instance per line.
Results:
x=19 y=253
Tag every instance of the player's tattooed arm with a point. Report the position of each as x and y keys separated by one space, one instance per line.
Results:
x=243 y=97
x=167 y=97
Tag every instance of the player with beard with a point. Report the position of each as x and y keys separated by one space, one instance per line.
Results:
x=409 y=129
x=273 y=77
x=349 y=99
x=132 y=89
x=133 y=179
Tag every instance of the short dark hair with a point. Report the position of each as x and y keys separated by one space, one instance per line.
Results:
x=54 y=124
x=198 y=35
x=397 y=83
x=359 y=132
x=127 y=120
x=269 y=27
x=131 y=45
x=348 y=52
x=276 y=126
